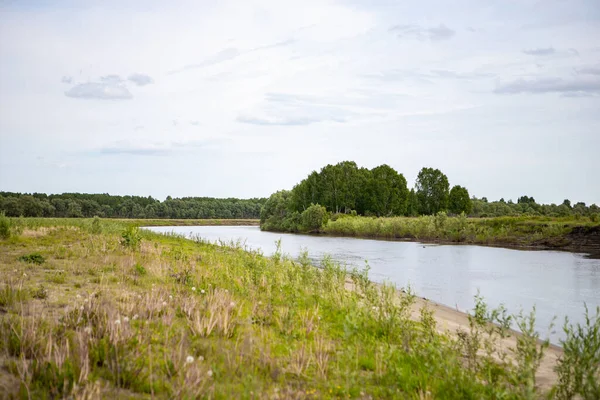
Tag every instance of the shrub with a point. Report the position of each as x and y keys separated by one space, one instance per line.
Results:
x=314 y=217
x=132 y=237
x=5 y=226
x=33 y=258
x=96 y=225
x=578 y=368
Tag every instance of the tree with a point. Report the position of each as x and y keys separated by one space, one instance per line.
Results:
x=459 y=200
x=432 y=189
x=314 y=217
x=387 y=192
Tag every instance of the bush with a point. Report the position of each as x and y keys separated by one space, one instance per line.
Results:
x=132 y=237
x=33 y=258
x=96 y=225
x=578 y=368
x=314 y=217
x=5 y=226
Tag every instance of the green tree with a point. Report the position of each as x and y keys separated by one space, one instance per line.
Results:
x=314 y=217
x=432 y=189
x=459 y=200
x=387 y=192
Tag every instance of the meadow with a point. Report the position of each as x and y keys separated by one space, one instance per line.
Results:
x=95 y=308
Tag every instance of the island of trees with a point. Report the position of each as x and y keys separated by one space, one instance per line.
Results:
x=345 y=189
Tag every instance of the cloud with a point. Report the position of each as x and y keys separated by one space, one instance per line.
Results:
x=195 y=123
x=274 y=45
x=124 y=147
x=108 y=89
x=550 y=85
x=436 y=33
x=140 y=79
x=589 y=70
x=66 y=79
x=112 y=78
x=283 y=121
x=540 y=51
x=136 y=151
x=222 y=56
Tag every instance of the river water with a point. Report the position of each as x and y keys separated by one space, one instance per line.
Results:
x=556 y=283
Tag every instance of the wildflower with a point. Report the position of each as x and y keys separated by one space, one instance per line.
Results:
x=126 y=319
x=200 y=358
x=164 y=303
x=78 y=296
x=135 y=317
x=209 y=372
x=85 y=300
x=118 y=322
x=232 y=304
x=202 y=291
x=193 y=288
x=189 y=360
x=170 y=297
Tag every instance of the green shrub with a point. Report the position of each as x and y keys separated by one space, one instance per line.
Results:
x=33 y=258
x=314 y=217
x=5 y=226
x=96 y=225
x=132 y=237
x=578 y=368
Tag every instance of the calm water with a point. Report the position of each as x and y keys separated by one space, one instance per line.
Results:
x=557 y=283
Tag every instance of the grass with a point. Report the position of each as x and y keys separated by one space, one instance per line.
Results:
x=519 y=231
x=174 y=318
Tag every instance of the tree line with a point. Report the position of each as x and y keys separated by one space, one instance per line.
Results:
x=344 y=188
x=81 y=205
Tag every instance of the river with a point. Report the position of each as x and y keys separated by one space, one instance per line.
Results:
x=556 y=283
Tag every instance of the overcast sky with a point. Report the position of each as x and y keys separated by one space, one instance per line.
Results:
x=243 y=98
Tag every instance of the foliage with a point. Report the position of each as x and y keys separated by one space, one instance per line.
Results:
x=78 y=205
x=314 y=217
x=432 y=188
x=131 y=237
x=33 y=258
x=5 y=226
x=459 y=200
x=579 y=367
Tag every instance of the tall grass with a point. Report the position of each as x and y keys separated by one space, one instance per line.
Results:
x=515 y=230
x=177 y=318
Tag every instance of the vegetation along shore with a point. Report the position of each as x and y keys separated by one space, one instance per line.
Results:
x=346 y=200
x=95 y=308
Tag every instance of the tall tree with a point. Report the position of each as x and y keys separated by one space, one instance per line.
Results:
x=459 y=200
x=432 y=189
x=388 y=194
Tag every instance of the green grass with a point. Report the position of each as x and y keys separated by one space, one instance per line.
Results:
x=520 y=231
x=176 y=318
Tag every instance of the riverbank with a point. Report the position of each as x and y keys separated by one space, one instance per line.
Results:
x=103 y=309
x=581 y=236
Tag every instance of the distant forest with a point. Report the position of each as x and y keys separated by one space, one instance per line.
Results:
x=78 y=205
x=344 y=188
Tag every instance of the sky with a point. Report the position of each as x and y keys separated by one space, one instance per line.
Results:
x=244 y=98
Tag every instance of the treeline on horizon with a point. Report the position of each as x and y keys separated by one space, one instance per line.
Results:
x=345 y=189
x=81 y=205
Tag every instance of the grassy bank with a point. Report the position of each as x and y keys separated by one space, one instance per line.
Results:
x=508 y=231
x=100 y=309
